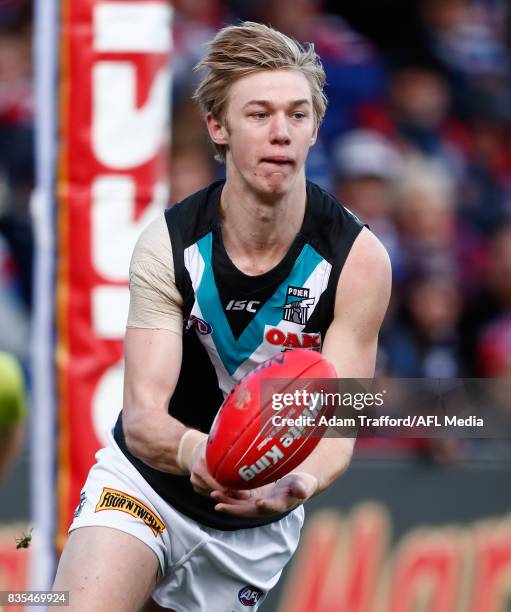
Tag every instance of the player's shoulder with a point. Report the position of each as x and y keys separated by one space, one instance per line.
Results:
x=154 y=241
x=324 y=204
x=194 y=216
x=368 y=264
x=329 y=227
x=369 y=250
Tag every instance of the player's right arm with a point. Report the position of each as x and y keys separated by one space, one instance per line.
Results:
x=152 y=364
x=153 y=353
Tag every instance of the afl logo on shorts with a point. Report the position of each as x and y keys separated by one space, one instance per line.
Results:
x=249 y=596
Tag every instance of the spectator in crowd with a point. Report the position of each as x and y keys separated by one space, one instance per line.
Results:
x=468 y=38
x=416 y=117
x=493 y=301
x=16 y=143
x=14 y=320
x=367 y=169
x=426 y=215
x=194 y=23
x=493 y=359
x=486 y=197
x=493 y=351
x=424 y=342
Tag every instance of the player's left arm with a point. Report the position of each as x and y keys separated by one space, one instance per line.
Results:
x=351 y=342
x=363 y=294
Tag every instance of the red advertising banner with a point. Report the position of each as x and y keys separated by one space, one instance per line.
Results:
x=347 y=563
x=113 y=136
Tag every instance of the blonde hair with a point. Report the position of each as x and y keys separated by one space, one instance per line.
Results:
x=240 y=50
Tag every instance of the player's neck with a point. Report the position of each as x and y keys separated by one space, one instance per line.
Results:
x=257 y=233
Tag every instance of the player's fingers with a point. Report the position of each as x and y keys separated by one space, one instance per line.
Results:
x=200 y=485
x=270 y=506
x=278 y=504
x=239 y=493
x=248 y=510
x=233 y=493
x=201 y=490
x=203 y=480
x=221 y=497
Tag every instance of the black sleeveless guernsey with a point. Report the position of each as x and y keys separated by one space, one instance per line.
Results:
x=233 y=321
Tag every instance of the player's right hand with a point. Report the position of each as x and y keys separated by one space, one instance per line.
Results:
x=202 y=481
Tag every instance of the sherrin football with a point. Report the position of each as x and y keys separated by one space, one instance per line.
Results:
x=271 y=420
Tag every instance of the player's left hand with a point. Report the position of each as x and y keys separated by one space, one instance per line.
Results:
x=281 y=496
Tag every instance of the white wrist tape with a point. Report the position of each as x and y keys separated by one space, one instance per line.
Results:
x=187 y=445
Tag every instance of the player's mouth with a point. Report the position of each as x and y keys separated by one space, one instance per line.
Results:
x=278 y=160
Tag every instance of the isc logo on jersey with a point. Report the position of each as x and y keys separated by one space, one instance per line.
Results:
x=249 y=595
x=248 y=305
x=291 y=340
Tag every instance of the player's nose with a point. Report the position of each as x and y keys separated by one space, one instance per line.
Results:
x=279 y=129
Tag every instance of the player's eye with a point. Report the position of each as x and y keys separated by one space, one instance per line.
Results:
x=299 y=115
x=260 y=115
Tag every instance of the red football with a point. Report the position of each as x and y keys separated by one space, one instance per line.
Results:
x=270 y=421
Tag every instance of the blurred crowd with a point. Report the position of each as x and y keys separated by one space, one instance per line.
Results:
x=416 y=141
x=16 y=176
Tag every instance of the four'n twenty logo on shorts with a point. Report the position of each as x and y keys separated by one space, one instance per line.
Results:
x=111 y=499
x=249 y=595
x=296 y=308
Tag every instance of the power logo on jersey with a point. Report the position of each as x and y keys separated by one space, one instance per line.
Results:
x=112 y=499
x=296 y=308
x=249 y=595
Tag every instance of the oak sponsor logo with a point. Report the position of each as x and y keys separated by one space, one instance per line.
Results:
x=111 y=499
x=292 y=340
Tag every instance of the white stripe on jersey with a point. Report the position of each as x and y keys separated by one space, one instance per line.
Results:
x=194 y=264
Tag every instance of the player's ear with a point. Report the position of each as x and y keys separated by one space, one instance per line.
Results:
x=217 y=130
x=314 y=136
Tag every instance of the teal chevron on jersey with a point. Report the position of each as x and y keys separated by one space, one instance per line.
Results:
x=233 y=352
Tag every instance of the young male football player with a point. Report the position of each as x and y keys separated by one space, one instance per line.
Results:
x=250 y=266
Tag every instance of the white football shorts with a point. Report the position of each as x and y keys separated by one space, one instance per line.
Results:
x=203 y=569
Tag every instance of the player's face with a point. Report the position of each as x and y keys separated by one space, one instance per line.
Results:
x=269 y=128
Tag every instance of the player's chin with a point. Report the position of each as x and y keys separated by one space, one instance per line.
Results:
x=277 y=183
